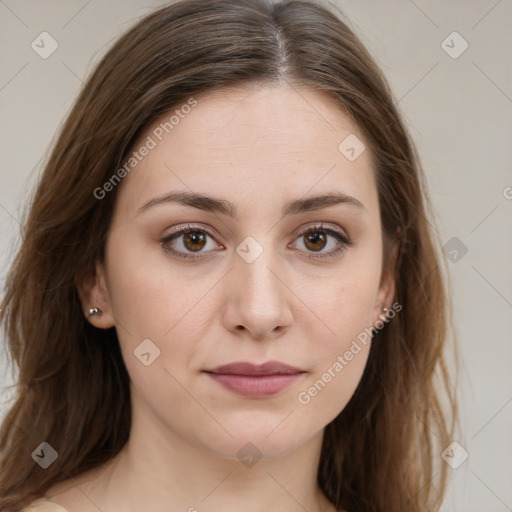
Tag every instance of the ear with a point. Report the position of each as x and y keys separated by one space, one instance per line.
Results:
x=93 y=293
x=387 y=285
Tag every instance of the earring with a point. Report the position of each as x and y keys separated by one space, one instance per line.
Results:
x=94 y=311
x=386 y=311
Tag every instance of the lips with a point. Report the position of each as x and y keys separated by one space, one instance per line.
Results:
x=255 y=381
x=268 y=368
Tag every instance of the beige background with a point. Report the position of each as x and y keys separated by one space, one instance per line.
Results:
x=459 y=111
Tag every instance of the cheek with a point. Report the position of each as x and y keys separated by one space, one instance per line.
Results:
x=341 y=327
x=328 y=392
x=343 y=306
x=150 y=296
x=340 y=348
x=151 y=302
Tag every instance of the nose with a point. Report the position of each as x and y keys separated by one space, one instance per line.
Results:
x=257 y=298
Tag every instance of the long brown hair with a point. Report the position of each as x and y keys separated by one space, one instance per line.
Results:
x=72 y=390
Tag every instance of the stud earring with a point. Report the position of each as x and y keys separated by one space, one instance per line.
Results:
x=94 y=311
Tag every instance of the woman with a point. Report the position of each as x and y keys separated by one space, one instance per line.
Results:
x=228 y=293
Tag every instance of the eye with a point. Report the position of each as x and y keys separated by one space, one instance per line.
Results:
x=186 y=241
x=191 y=242
x=316 y=238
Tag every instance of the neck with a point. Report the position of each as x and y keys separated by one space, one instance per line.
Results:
x=158 y=470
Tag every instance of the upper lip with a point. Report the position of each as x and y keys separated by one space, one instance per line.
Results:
x=246 y=368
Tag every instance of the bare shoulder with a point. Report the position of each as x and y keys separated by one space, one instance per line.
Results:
x=44 y=505
x=67 y=496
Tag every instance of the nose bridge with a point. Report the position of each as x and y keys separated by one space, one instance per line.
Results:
x=256 y=297
x=254 y=269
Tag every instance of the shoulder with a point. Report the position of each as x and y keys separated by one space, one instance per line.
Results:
x=44 y=505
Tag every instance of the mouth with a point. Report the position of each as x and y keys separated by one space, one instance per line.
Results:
x=255 y=381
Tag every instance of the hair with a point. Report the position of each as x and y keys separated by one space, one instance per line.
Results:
x=72 y=388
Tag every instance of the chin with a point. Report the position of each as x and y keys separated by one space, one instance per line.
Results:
x=258 y=439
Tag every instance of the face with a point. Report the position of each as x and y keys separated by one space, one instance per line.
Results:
x=262 y=273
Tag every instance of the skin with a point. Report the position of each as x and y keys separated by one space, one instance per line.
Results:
x=257 y=147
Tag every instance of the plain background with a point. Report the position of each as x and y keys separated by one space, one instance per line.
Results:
x=460 y=114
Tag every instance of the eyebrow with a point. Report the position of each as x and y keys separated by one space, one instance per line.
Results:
x=224 y=207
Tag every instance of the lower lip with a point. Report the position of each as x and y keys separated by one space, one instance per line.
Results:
x=255 y=386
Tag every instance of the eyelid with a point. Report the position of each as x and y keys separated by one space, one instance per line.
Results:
x=321 y=226
x=190 y=226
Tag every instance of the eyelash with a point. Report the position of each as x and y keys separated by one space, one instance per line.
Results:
x=344 y=242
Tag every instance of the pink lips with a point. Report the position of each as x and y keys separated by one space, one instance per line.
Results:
x=255 y=381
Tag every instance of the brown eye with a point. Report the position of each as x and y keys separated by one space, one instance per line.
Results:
x=315 y=240
x=188 y=240
x=323 y=242
x=194 y=241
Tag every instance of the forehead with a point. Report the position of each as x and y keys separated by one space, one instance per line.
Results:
x=257 y=141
